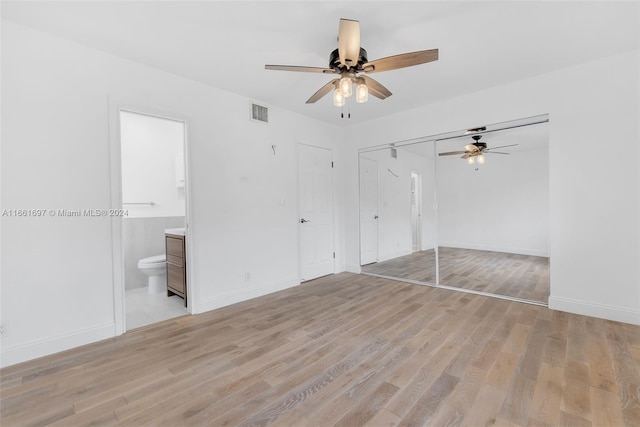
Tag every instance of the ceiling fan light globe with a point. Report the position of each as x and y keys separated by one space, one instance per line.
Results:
x=481 y=159
x=346 y=86
x=362 y=93
x=338 y=98
x=471 y=160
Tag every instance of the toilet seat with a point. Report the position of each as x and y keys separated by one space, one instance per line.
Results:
x=152 y=261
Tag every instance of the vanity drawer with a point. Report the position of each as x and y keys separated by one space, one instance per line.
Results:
x=175 y=260
x=176 y=266
x=175 y=246
x=175 y=278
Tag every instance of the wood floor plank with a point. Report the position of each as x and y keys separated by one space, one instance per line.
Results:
x=335 y=410
x=577 y=338
x=412 y=391
x=517 y=402
x=369 y=406
x=606 y=408
x=486 y=407
x=575 y=397
x=461 y=398
x=554 y=351
x=383 y=418
x=547 y=396
x=429 y=402
x=626 y=372
x=348 y=350
x=502 y=370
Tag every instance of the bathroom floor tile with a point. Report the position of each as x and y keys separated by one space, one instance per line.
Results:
x=143 y=309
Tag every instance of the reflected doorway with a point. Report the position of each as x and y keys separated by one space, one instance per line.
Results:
x=397 y=189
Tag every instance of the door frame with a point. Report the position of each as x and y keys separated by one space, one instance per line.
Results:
x=116 y=106
x=418 y=191
x=298 y=211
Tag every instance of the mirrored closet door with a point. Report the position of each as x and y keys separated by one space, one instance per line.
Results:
x=465 y=210
x=397 y=219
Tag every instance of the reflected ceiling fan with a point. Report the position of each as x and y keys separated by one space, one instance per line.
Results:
x=476 y=150
x=349 y=60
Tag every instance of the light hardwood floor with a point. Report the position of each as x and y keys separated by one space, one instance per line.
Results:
x=345 y=350
x=512 y=275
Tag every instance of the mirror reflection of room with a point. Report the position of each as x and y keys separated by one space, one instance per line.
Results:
x=493 y=214
x=469 y=211
x=397 y=219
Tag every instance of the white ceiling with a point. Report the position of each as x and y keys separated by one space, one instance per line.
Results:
x=227 y=44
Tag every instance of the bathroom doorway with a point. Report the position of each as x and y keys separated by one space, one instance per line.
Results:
x=153 y=196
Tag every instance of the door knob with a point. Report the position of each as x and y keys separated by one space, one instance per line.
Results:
x=302 y=220
x=375 y=217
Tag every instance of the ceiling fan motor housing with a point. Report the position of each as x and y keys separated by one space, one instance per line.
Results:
x=334 y=62
x=477 y=143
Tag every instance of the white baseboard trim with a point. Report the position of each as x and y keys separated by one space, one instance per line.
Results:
x=602 y=311
x=12 y=355
x=245 y=294
x=519 y=251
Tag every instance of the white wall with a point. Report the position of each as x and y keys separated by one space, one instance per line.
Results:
x=500 y=206
x=152 y=151
x=594 y=183
x=57 y=284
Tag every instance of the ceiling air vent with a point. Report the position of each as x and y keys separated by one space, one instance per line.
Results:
x=259 y=113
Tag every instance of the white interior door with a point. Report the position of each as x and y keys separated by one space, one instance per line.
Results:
x=416 y=211
x=315 y=196
x=368 y=211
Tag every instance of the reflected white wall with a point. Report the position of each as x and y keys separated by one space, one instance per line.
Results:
x=502 y=205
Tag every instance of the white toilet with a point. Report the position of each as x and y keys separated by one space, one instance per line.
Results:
x=155 y=268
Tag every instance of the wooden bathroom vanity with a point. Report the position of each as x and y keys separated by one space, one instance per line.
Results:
x=176 y=263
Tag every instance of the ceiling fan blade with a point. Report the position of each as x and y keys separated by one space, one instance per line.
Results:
x=451 y=153
x=471 y=147
x=349 y=42
x=299 y=68
x=466 y=156
x=495 y=152
x=322 y=91
x=376 y=89
x=502 y=146
x=401 y=61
